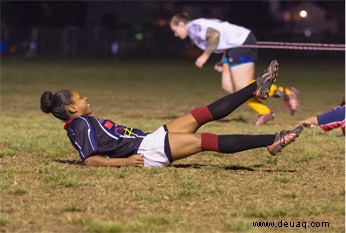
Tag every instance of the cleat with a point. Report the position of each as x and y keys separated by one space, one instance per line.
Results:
x=293 y=100
x=283 y=139
x=265 y=81
x=290 y=100
x=264 y=118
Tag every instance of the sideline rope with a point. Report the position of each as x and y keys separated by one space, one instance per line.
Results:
x=296 y=46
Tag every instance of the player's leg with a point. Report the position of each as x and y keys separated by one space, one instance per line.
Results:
x=243 y=74
x=224 y=106
x=226 y=78
x=183 y=145
x=288 y=95
x=190 y=122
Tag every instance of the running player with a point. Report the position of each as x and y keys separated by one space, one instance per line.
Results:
x=212 y=35
x=101 y=142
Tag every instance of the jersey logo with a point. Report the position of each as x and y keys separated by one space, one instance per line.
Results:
x=119 y=131
x=108 y=124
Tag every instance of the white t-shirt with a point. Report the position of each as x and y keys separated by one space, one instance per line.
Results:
x=230 y=35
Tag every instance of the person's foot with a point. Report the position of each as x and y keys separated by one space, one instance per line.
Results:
x=293 y=100
x=264 y=118
x=283 y=139
x=290 y=100
x=265 y=81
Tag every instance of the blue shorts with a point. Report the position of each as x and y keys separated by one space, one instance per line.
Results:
x=237 y=56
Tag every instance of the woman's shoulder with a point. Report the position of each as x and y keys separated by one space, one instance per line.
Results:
x=82 y=121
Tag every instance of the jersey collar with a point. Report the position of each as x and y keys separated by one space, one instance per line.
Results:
x=67 y=124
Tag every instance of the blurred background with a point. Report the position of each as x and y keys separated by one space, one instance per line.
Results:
x=140 y=29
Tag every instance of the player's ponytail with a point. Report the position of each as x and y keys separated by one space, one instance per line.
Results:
x=180 y=17
x=55 y=103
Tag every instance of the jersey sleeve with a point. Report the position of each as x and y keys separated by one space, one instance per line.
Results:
x=332 y=119
x=82 y=137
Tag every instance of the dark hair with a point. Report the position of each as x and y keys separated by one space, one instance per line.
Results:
x=180 y=17
x=55 y=103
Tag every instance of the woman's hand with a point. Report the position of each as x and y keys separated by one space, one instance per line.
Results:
x=135 y=160
x=201 y=60
x=218 y=67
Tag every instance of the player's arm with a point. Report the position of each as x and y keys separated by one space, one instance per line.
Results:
x=213 y=38
x=97 y=160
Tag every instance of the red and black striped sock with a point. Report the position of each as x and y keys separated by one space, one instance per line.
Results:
x=224 y=106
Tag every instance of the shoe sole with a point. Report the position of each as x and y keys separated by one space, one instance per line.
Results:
x=273 y=73
x=274 y=68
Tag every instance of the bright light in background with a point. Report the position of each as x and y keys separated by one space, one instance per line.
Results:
x=303 y=13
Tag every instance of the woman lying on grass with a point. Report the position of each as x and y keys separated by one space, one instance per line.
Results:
x=101 y=142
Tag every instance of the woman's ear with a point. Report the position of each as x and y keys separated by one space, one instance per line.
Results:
x=71 y=108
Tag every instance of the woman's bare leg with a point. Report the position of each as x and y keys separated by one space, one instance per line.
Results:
x=184 y=144
x=242 y=75
x=184 y=124
x=227 y=80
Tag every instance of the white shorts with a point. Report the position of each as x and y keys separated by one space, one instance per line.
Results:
x=153 y=149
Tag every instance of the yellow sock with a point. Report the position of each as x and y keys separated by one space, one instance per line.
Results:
x=273 y=88
x=256 y=105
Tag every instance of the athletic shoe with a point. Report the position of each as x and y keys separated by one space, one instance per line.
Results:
x=293 y=100
x=283 y=139
x=265 y=81
x=290 y=100
x=263 y=119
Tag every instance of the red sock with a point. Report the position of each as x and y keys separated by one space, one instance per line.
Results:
x=209 y=142
x=202 y=115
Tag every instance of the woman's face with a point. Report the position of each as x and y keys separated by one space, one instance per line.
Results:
x=81 y=103
x=180 y=30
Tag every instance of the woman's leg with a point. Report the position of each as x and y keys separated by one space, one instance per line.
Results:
x=183 y=145
x=288 y=95
x=226 y=79
x=190 y=122
x=242 y=75
x=224 y=106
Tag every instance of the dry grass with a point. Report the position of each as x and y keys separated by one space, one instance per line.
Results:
x=45 y=189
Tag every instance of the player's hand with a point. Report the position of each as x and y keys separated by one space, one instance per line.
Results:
x=308 y=124
x=135 y=160
x=201 y=60
x=218 y=67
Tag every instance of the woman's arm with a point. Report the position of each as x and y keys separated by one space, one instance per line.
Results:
x=97 y=160
x=213 y=38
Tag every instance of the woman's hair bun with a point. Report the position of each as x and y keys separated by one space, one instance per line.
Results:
x=47 y=102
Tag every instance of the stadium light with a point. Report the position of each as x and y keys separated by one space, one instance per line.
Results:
x=303 y=13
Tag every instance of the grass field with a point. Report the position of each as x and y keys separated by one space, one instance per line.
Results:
x=44 y=188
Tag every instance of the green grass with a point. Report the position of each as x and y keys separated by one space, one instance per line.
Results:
x=45 y=188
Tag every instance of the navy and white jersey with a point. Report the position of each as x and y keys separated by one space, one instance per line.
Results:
x=92 y=136
x=230 y=35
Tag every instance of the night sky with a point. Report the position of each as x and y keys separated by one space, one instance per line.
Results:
x=62 y=13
